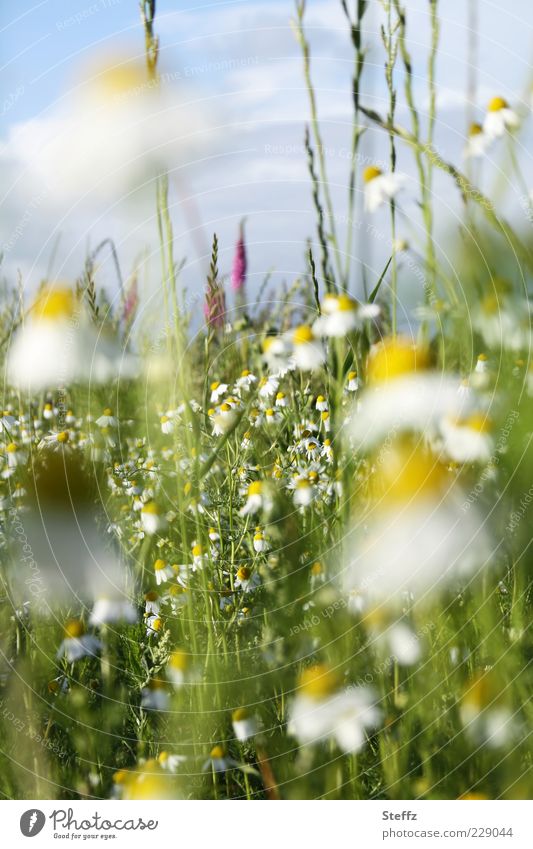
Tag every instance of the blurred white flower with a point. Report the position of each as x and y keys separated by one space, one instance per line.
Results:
x=322 y=710
x=499 y=119
x=381 y=188
x=59 y=345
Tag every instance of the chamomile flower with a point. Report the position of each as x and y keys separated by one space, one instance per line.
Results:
x=340 y=314
x=152 y=518
x=352 y=382
x=404 y=395
x=268 y=386
x=478 y=142
x=468 y=439
x=245 y=724
x=277 y=353
x=260 y=543
x=154 y=625
x=281 y=400
x=304 y=492
x=272 y=417
x=77 y=642
x=485 y=715
x=255 y=499
x=167 y=424
x=500 y=118
x=55 y=441
x=218 y=760
x=155 y=695
x=224 y=418
x=199 y=558
x=308 y=352
x=245 y=381
x=327 y=451
x=152 y=603
x=169 y=762
x=59 y=345
x=113 y=610
x=246 y=580
x=416 y=508
x=178 y=667
x=323 y=710
x=107 y=419
x=162 y=571
x=14 y=456
x=218 y=390
x=380 y=188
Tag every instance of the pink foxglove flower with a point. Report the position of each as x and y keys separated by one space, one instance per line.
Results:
x=238 y=272
x=215 y=306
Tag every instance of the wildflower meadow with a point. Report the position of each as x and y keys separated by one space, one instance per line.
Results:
x=266 y=534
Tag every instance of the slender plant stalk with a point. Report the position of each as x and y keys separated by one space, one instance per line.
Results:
x=317 y=136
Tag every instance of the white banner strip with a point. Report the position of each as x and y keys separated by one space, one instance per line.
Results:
x=261 y=825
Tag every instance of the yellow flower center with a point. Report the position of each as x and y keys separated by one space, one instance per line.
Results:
x=302 y=335
x=371 y=172
x=159 y=564
x=475 y=129
x=53 y=303
x=319 y=681
x=74 y=628
x=395 y=357
x=240 y=714
x=63 y=436
x=409 y=471
x=151 y=508
x=496 y=104
x=179 y=660
x=123 y=78
x=243 y=573
x=346 y=304
x=255 y=488
x=217 y=752
x=12 y=448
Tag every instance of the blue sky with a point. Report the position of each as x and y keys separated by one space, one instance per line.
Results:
x=240 y=60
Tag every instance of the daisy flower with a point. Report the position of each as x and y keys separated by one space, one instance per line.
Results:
x=78 y=643
x=499 y=119
x=486 y=717
x=152 y=518
x=340 y=314
x=246 y=580
x=110 y=611
x=162 y=571
x=245 y=381
x=218 y=760
x=177 y=667
x=107 y=419
x=323 y=710
x=58 y=345
x=260 y=544
x=244 y=724
x=308 y=352
x=478 y=142
x=155 y=695
x=380 y=188
x=417 y=508
x=218 y=390
x=255 y=499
